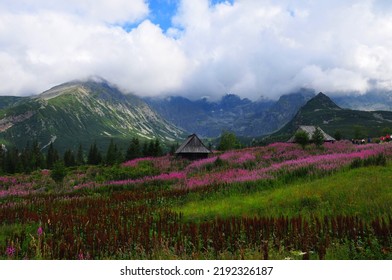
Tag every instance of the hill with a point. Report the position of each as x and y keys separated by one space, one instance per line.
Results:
x=323 y=112
x=82 y=112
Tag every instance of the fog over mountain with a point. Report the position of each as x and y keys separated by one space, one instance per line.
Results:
x=250 y=48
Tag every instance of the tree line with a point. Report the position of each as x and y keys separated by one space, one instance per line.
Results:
x=32 y=158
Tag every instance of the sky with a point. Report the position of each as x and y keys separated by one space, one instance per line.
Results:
x=194 y=48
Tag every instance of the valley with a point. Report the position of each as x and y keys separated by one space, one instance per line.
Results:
x=269 y=200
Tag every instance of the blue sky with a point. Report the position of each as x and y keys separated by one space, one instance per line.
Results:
x=198 y=47
x=162 y=12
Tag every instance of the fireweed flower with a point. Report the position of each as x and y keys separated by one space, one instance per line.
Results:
x=10 y=251
x=40 y=231
x=135 y=162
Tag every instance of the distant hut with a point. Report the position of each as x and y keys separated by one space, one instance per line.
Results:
x=310 y=131
x=193 y=149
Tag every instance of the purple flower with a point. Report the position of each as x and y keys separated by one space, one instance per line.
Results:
x=40 y=231
x=10 y=251
x=135 y=162
x=173 y=176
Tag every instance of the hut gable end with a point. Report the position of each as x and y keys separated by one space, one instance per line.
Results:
x=310 y=131
x=193 y=148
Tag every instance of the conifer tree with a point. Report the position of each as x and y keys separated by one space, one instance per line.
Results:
x=173 y=148
x=58 y=172
x=69 y=158
x=94 y=155
x=318 y=137
x=118 y=154
x=2 y=157
x=80 y=156
x=37 y=158
x=111 y=154
x=52 y=156
x=134 y=149
x=26 y=159
x=11 y=161
x=157 y=151
x=145 y=149
x=150 y=149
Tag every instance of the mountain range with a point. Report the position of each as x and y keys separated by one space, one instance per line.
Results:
x=81 y=112
x=244 y=117
x=370 y=101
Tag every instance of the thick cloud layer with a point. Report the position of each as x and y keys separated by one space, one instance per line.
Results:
x=247 y=47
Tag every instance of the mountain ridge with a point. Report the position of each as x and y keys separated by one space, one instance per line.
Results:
x=323 y=112
x=83 y=112
x=242 y=116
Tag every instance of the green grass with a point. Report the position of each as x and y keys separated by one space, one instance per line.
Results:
x=363 y=192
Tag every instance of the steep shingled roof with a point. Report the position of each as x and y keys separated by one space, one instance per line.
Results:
x=193 y=145
x=310 y=131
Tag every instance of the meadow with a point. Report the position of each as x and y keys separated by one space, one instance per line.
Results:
x=274 y=202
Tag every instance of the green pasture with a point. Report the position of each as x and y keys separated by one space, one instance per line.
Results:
x=364 y=192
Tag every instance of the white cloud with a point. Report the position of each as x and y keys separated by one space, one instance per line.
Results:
x=43 y=48
x=271 y=47
x=247 y=47
x=110 y=11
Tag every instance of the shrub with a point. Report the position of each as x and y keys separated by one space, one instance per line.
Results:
x=338 y=135
x=318 y=137
x=59 y=172
x=302 y=138
x=228 y=141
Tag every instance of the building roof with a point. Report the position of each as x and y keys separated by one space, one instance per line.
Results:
x=309 y=129
x=193 y=145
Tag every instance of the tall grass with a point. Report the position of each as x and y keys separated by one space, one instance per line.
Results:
x=363 y=192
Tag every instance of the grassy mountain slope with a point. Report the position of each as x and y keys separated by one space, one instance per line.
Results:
x=322 y=111
x=83 y=112
x=8 y=101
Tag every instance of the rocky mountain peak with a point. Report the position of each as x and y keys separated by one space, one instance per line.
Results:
x=321 y=102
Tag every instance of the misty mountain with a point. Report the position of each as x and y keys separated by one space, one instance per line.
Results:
x=81 y=112
x=240 y=115
x=370 y=101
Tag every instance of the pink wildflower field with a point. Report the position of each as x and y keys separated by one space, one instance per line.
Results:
x=245 y=165
x=261 y=163
x=254 y=164
x=130 y=210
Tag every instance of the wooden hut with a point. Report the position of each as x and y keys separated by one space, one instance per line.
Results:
x=193 y=149
x=310 y=131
